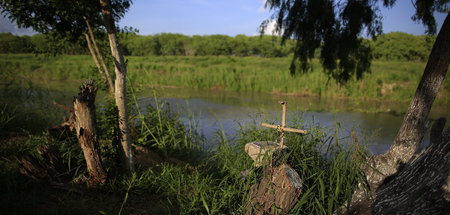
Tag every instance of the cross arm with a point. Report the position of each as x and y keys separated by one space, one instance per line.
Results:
x=284 y=129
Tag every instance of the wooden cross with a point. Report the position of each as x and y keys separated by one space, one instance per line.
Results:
x=283 y=128
x=257 y=150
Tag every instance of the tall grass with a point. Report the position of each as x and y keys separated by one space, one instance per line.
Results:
x=159 y=127
x=214 y=184
x=389 y=80
x=329 y=170
x=200 y=181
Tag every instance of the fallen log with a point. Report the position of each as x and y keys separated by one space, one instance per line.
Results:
x=50 y=168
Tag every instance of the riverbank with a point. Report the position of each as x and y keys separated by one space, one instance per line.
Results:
x=389 y=81
x=174 y=173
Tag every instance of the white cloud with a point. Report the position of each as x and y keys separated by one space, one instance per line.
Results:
x=262 y=8
x=270 y=29
x=6 y=26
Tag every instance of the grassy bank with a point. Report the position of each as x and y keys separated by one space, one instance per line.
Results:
x=389 y=80
x=174 y=174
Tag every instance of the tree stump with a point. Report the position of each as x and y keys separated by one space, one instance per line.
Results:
x=85 y=126
x=276 y=193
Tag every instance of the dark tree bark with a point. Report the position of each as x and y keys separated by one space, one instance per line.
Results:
x=418 y=187
x=120 y=70
x=82 y=119
x=421 y=186
x=85 y=126
x=413 y=127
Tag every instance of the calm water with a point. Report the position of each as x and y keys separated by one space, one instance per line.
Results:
x=214 y=109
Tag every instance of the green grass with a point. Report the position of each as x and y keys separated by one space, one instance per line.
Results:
x=212 y=185
x=25 y=108
x=388 y=81
x=187 y=179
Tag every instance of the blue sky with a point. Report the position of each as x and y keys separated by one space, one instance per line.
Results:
x=229 y=17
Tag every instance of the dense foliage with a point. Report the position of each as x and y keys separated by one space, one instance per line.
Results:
x=334 y=28
x=62 y=19
x=391 y=46
x=37 y=44
x=181 y=45
x=403 y=46
x=15 y=44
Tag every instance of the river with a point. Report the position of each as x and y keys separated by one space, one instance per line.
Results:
x=377 y=121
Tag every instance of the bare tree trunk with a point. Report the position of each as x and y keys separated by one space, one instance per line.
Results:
x=120 y=85
x=85 y=126
x=94 y=57
x=99 y=54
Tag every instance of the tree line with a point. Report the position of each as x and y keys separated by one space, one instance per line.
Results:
x=402 y=46
x=392 y=46
x=38 y=44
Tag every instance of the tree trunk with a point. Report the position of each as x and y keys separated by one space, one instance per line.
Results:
x=94 y=57
x=421 y=186
x=413 y=128
x=418 y=186
x=380 y=169
x=99 y=54
x=85 y=126
x=120 y=85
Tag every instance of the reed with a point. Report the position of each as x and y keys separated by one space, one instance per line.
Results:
x=388 y=80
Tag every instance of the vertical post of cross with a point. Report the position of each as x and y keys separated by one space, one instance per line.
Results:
x=283 y=122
